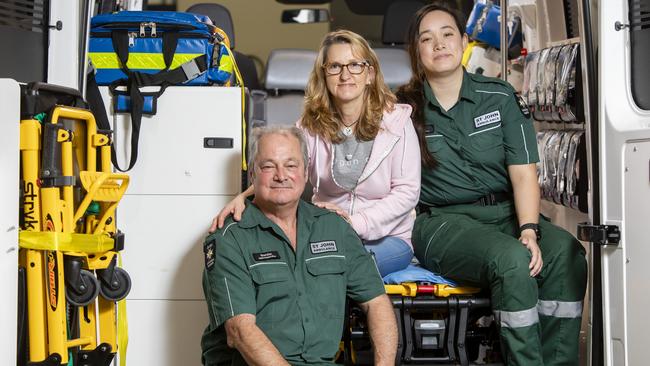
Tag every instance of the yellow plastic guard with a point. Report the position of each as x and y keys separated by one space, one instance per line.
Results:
x=446 y=290
x=107 y=187
x=409 y=289
x=102 y=187
x=65 y=242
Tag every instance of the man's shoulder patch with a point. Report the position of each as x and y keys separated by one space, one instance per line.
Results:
x=208 y=253
x=523 y=107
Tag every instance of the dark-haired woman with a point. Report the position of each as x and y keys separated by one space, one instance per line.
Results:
x=479 y=220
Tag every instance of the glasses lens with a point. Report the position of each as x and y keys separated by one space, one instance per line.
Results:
x=356 y=67
x=333 y=69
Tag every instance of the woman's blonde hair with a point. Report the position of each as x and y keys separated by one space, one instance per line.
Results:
x=320 y=115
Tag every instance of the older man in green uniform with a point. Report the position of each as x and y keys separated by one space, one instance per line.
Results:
x=276 y=281
x=468 y=226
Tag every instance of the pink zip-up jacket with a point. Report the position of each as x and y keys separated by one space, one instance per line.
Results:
x=383 y=202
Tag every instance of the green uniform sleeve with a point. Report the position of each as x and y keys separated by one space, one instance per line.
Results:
x=227 y=284
x=518 y=132
x=363 y=280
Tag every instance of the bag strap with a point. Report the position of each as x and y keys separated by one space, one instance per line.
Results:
x=135 y=80
x=97 y=106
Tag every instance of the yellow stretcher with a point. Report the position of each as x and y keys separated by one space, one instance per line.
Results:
x=69 y=241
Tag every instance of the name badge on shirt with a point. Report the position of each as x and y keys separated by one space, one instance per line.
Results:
x=265 y=256
x=487 y=118
x=323 y=247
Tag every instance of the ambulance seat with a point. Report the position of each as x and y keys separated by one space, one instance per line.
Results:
x=287 y=75
x=395 y=66
x=393 y=58
x=221 y=17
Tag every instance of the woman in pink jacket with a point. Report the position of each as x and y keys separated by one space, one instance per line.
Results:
x=364 y=157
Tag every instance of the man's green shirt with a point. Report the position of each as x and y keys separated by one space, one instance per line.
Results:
x=488 y=129
x=298 y=297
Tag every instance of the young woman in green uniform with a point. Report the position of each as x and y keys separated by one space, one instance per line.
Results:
x=479 y=221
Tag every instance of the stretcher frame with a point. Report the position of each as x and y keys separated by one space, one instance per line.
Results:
x=63 y=245
x=409 y=299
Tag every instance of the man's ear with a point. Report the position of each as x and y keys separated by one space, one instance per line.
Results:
x=465 y=41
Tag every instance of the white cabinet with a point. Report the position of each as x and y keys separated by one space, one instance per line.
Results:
x=177 y=186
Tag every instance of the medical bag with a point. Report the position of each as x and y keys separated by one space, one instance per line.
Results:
x=484 y=25
x=134 y=49
x=158 y=47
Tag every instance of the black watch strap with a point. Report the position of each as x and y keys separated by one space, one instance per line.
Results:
x=533 y=226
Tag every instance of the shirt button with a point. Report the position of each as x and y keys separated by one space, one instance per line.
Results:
x=306 y=320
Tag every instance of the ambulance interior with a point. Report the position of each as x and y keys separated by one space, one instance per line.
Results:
x=580 y=65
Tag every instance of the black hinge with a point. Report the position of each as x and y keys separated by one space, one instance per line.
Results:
x=599 y=234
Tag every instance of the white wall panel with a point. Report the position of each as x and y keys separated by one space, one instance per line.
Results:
x=9 y=189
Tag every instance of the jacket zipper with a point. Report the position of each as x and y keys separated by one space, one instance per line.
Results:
x=383 y=156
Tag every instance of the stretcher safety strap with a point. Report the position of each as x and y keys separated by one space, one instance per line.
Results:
x=517 y=319
x=65 y=242
x=560 y=309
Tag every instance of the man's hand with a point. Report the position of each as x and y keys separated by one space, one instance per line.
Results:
x=529 y=239
x=383 y=329
x=256 y=348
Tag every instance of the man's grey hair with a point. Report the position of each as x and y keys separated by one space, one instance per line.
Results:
x=259 y=132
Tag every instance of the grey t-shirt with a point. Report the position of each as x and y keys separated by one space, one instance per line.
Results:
x=350 y=157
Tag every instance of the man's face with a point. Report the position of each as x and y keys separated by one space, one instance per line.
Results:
x=279 y=175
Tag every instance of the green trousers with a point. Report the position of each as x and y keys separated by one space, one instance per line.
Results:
x=539 y=318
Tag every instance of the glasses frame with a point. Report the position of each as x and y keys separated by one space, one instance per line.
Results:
x=365 y=64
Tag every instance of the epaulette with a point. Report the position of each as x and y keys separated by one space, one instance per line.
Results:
x=490 y=80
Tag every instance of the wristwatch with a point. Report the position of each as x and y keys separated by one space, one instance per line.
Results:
x=533 y=226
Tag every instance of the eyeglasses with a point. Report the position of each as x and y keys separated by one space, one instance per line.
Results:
x=354 y=68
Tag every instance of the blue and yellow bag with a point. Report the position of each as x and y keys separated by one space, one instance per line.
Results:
x=134 y=49
x=159 y=47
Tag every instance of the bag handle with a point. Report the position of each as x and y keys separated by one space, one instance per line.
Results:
x=134 y=81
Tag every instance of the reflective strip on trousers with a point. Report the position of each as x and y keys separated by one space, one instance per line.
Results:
x=517 y=319
x=560 y=309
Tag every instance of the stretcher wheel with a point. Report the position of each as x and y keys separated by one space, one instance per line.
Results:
x=91 y=287
x=119 y=288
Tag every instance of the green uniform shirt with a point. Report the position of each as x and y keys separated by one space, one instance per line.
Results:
x=298 y=297
x=475 y=141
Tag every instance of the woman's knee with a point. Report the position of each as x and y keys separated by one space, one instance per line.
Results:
x=391 y=254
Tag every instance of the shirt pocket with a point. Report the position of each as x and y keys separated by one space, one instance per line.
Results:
x=435 y=142
x=328 y=284
x=486 y=145
x=272 y=289
x=487 y=138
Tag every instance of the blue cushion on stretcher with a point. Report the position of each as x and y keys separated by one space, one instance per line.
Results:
x=416 y=274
